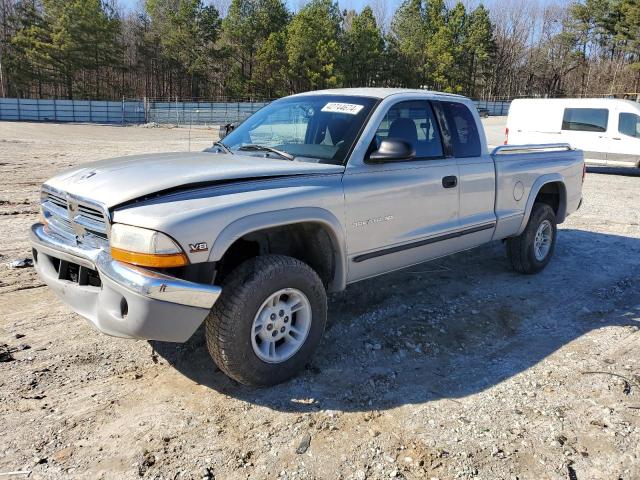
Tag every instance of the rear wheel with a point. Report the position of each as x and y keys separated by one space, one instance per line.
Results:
x=532 y=250
x=268 y=320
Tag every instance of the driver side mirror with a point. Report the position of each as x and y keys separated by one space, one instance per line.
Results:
x=224 y=130
x=391 y=150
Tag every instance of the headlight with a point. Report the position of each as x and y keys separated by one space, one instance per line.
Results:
x=144 y=247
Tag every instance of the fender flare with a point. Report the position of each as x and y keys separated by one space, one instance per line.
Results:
x=533 y=193
x=278 y=218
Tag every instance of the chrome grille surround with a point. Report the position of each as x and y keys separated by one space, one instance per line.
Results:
x=75 y=218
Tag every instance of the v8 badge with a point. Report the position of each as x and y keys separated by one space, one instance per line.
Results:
x=198 y=247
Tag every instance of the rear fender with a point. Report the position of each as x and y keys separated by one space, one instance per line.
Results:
x=533 y=193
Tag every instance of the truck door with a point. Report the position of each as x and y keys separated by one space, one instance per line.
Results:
x=476 y=169
x=399 y=213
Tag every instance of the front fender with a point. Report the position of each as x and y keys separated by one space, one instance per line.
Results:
x=278 y=218
x=533 y=193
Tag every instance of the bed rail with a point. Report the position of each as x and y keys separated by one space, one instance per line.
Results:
x=538 y=148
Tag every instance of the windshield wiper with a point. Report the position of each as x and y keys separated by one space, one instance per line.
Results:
x=262 y=148
x=223 y=147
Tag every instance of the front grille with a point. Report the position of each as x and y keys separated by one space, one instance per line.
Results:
x=74 y=219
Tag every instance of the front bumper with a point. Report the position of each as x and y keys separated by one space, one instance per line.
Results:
x=127 y=301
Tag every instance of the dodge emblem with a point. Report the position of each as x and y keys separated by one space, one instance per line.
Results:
x=73 y=209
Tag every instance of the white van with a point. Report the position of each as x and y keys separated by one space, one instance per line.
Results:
x=607 y=129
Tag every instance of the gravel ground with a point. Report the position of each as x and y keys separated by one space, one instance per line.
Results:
x=494 y=130
x=453 y=369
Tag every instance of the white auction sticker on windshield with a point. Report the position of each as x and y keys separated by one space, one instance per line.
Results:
x=350 y=108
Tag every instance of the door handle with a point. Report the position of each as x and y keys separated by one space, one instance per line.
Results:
x=450 y=182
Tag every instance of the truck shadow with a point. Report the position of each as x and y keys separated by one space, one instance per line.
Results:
x=448 y=328
x=623 y=171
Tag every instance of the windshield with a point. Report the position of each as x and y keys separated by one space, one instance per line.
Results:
x=319 y=128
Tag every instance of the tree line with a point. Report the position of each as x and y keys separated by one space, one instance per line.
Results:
x=259 y=49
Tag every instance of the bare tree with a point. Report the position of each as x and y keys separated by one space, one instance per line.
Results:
x=381 y=12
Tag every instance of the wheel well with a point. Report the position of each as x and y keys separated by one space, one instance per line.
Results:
x=308 y=242
x=552 y=195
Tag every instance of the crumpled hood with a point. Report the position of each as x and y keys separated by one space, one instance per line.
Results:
x=119 y=180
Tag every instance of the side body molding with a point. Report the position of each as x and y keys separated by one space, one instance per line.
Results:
x=262 y=221
x=533 y=193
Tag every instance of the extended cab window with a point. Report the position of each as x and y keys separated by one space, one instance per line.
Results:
x=465 y=139
x=585 y=119
x=413 y=122
x=629 y=124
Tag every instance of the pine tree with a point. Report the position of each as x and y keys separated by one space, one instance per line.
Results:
x=247 y=27
x=313 y=46
x=270 y=78
x=22 y=53
x=479 y=47
x=187 y=31
x=628 y=31
x=407 y=42
x=362 y=50
x=69 y=37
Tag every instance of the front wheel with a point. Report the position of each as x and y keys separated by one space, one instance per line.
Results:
x=532 y=250
x=268 y=320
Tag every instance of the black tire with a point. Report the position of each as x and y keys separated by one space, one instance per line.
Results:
x=229 y=325
x=520 y=249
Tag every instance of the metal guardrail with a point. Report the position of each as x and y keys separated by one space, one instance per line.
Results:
x=493 y=108
x=133 y=111
x=200 y=113
x=127 y=111
x=92 y=111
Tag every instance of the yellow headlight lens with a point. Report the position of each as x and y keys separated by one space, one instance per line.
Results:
x=144 y=247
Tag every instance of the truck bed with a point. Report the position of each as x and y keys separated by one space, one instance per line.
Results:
x=523 y=168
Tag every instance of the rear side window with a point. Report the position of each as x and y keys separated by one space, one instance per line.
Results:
x=585 y=119
x=629 y=124
x=464 y=135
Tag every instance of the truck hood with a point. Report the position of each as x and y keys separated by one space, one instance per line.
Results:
x=116 y=181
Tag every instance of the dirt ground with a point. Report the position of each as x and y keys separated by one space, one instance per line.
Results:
x=454 y=369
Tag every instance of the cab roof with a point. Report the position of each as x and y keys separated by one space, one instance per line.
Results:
x=379 y=92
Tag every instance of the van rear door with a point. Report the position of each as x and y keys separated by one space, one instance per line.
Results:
x=586 y=129
x=534 y=121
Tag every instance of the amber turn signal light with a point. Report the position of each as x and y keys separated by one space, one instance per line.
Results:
x=149 y=259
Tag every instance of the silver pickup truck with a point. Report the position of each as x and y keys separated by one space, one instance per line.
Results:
x=312 y=193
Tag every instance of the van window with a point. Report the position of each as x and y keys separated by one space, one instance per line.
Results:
x=585 y=119
x=629 y=124
x=464 y=133
x=414 y=123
